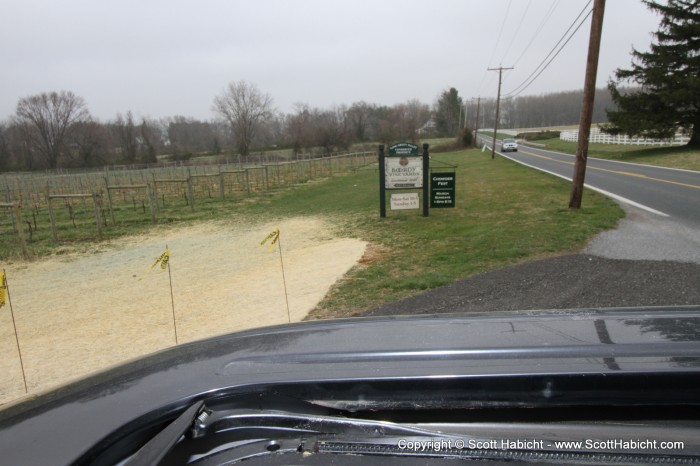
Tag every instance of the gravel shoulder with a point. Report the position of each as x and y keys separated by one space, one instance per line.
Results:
x=565 y=282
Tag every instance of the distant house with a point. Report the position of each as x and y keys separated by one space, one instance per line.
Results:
x=430 y=127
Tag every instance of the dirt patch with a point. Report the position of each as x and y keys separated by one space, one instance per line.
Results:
x=79 y=313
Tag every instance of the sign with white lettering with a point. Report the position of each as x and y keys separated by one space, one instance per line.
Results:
x=403 y=148
x=442 y=190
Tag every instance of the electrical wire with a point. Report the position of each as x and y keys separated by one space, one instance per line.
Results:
x=555 y=45
x=500 y=33
x=545 y=18
x=517 y=30
x=543 y=66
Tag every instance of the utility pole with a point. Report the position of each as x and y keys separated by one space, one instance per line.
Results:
x=466 y=114
x=498 y=104
x=476 y=123
x=584 y=129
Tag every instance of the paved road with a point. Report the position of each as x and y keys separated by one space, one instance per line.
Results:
x=651 y=259
x=664 y=192
x=566 y=282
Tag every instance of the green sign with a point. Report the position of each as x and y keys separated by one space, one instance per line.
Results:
x=403 y=148
x=442 y=190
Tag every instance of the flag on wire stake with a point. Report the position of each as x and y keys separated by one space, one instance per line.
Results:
x=164 y=261
x=3 y=289
x=5 y=298
x=275 y=237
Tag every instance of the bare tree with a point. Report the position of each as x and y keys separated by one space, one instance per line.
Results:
x=300 y=127
x=5 y=150
x=331 y=129
x=402 y=121
x=92 y=142
x=48 y=118
x=360 y=116
x=245 y=108
x=152 y=138
x=188 y=136
x=126 y=135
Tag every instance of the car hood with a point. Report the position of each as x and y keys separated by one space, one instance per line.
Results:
x=59 y=426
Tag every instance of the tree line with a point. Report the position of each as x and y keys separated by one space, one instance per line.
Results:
x=657 y=97
x=55 y=129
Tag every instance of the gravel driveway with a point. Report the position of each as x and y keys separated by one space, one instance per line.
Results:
x=621 y=268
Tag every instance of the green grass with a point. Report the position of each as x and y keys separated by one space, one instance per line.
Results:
x=498 y=136
x=504 y=214
x=673 y=157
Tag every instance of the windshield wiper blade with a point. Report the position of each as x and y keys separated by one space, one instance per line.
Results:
x=244 y=420
x=156 y=448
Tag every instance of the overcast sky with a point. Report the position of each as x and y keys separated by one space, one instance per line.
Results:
x=162 y=58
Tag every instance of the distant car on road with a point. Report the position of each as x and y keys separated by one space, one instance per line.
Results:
x=509 y=145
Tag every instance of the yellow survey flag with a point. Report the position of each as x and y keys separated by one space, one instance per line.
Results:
x=274 y=236
x=162 y=259
x=3 y=289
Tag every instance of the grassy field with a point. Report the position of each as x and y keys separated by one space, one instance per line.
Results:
x=504 y=214
x=673 y=157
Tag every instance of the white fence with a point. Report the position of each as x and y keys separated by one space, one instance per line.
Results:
x=600 y=137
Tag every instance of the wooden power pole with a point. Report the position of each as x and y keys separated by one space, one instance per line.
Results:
x=584 y=130
x=476 y=122
x=498 y=104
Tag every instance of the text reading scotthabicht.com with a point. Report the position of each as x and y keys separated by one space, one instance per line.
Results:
x=508 y=444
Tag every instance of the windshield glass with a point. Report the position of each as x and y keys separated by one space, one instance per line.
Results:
x=172 y=172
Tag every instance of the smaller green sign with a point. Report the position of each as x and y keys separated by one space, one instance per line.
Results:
x=403 y=148
x=442 y=190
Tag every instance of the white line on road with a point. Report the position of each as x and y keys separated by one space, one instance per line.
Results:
x=594 y=188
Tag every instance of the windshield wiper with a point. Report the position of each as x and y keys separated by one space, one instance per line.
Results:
x=156 y=448
x=242 y=420
x=210 y=437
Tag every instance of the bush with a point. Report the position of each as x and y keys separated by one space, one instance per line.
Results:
x=466 y=139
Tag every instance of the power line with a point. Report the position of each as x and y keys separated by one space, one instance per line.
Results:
x=514 y=94
x=543 y=66
x=546 y=17
x=535 y=71
x=500 y=33
x=555 y=46
x=517 y=30
x=495 y=48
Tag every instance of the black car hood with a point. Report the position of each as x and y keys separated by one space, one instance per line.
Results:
x=58 y=427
